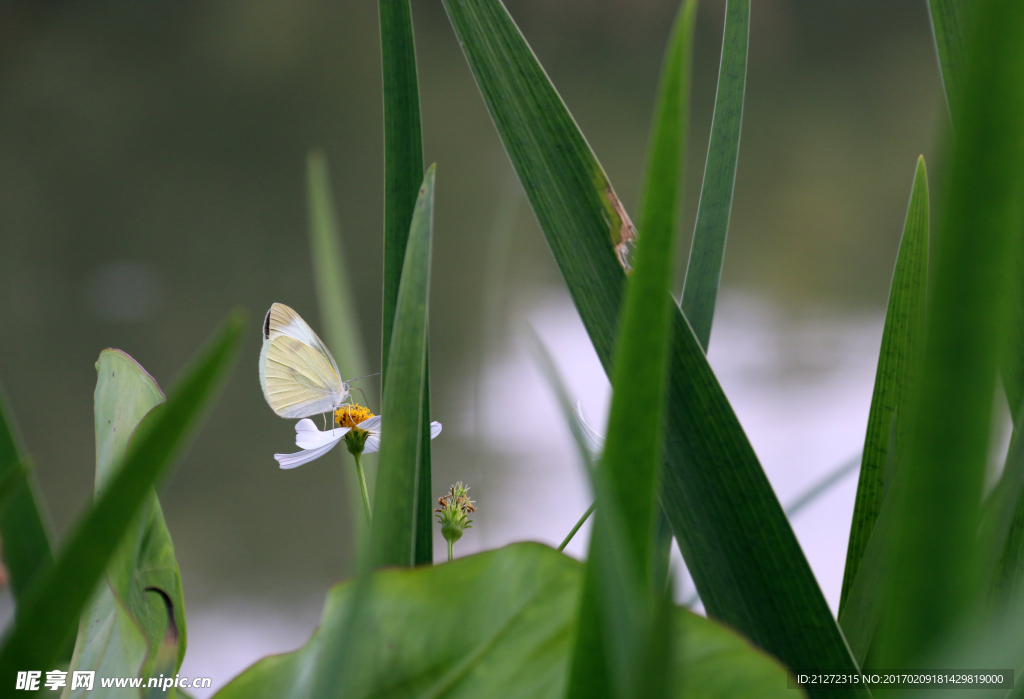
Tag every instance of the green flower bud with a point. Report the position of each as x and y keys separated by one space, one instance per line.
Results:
x=454 y=514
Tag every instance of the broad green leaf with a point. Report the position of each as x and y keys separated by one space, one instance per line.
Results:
x=500 y=625
x=936 y=575
x=48 y=618
x=396 y=505
x=403 y=173
x=127 y=623
x=734 y=535
x=950 y=29
x=627 y=478
x=902 y=340
x=707 y=252
x=26 y=541
x=330 y=271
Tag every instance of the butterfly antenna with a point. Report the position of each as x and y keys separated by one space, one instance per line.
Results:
x=363 y=377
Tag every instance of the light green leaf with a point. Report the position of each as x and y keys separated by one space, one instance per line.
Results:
x=626 y=481
x=937 y=578
x=733 y=533
x=26 y=541
x=124 y=628
x=393 y=536
x=49 y=616
x=899 y=356
x=707 y=253
x=330 y=271
x=661 y=200
x=500 y=625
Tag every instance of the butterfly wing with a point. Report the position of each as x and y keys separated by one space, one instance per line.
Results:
x=298 y=375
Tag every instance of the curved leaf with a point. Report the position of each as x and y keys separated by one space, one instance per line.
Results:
x=127 y=624
x=47 y=619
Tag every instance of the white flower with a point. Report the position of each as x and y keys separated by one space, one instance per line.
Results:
x=315 y=443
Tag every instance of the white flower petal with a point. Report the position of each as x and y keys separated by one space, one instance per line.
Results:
x=372 y=444
x=435 y=429
x=307 y=436
x=304 y=456
x=371 y=424
x=594 y=439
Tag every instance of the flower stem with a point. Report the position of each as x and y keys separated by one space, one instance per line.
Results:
x=362 y=484
x=450 y=545
x=584 y=518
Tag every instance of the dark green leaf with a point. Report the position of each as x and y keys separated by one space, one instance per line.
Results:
x=26 y=542
x=48 y=617
x=936 y=573
x=396 y=502
x=330 y=272
x=736 y=539
x=950 y=29
x=403 y=173
x=403 y=150
x=497 y=624
x=902 y=340
x=707 y=253
x=138 y=608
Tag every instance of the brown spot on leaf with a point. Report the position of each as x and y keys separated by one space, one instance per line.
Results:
x=625 y=238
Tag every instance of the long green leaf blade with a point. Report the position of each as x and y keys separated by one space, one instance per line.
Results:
x=396 y=500
x=950 y=29
x=936 y=578
x=333 y=285
x=627 y=477
x=48 y=617
x=736 y=539
x=403 y=150
x=26 y=541
x=403 y=173
x=902 y=340
x=707 y=253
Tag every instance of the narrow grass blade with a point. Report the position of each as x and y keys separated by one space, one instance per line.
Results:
x=26 y=541
x=936 y=572
x=661 y=198
x=403 y=150
x=330 y=271
x=627 y=478
x=403 y=174
x=951 y=29
x=135 y=624
x=899 y=356
x=396 y=500
x=49 y=616
x=707 y=252
x=733 y=533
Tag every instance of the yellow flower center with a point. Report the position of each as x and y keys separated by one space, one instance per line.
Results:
x=351 y=415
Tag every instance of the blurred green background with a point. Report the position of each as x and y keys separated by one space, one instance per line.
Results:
x=152 y=177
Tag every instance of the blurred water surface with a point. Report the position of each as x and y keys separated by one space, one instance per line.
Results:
x=152 y=163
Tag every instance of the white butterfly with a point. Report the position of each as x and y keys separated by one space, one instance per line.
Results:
x=299 y=376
